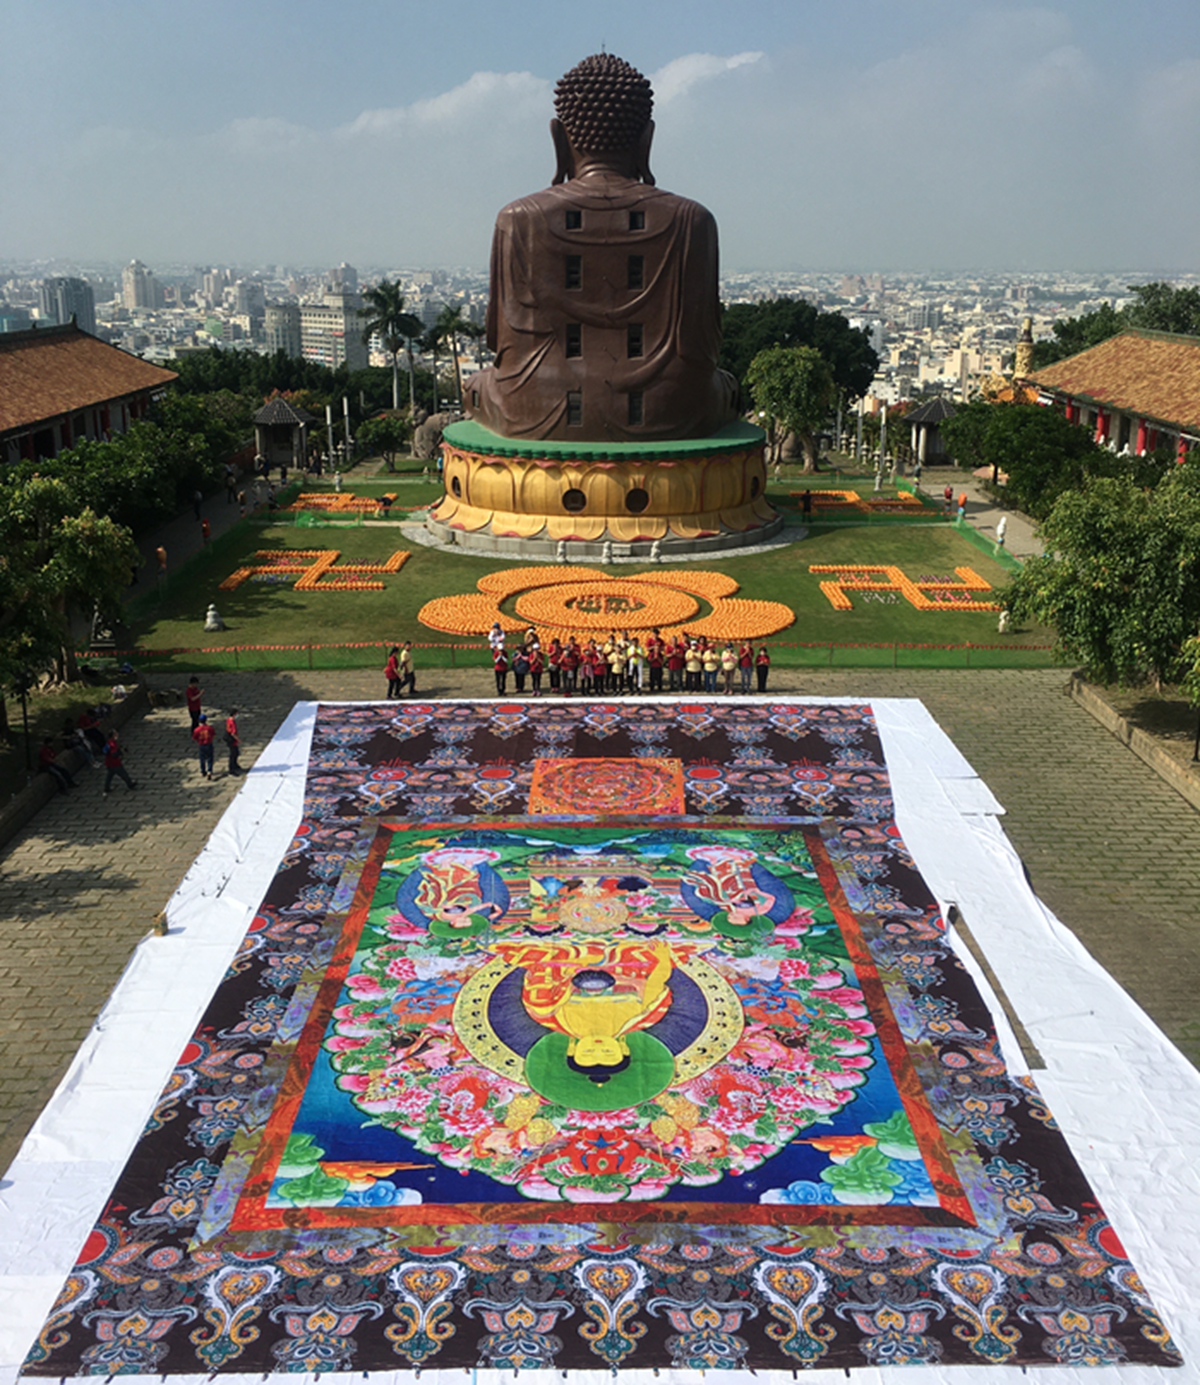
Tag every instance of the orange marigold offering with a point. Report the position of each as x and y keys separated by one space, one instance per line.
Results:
x=466 y=615
x=735 y=619
x=522 y=579
x=603 y=604
x=710 y=585
x=927 y=595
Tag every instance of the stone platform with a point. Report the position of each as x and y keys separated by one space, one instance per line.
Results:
x=522 y=498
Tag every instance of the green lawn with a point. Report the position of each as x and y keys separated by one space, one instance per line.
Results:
x=258 y=613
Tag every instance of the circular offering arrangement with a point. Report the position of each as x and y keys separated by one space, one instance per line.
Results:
x=606 y=605
x=583 y=601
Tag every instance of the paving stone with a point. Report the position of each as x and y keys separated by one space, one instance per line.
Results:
x=1111 y=849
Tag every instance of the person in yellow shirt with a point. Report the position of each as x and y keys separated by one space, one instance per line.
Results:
x=712 y=662
x=693 y=666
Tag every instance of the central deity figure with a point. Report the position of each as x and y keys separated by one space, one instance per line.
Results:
x=604 y=313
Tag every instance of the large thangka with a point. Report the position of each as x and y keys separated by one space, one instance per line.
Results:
x=606 y=1038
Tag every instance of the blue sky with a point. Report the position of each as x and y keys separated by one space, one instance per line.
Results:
x=866 y=134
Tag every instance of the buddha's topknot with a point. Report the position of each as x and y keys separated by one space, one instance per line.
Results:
x=604 y=104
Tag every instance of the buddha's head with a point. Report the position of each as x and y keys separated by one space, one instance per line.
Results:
x=603 y=120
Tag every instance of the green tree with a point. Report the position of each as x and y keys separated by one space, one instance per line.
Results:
x=387 y=435
x=430 y=342
x=386 y=317
x=1163 y=308
x=794 y=387
x=748 y=328
x=1076 y=334
x=450 y=326
x=1042 y=454
x=1160 y=307
x=1120 y=579
x=58 y=556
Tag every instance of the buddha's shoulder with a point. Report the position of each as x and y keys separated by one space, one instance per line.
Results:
x=610 y=195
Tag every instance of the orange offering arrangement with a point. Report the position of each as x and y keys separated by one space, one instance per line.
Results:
x=563 y=601
x=334 y=502
x=844 y=502
x=603 y=604
x=927 y=592
x=312 y=568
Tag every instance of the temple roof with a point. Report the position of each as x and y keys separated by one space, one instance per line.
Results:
x=936 y=410
x=1155 y=375
x=49 y=371
x=278 y=410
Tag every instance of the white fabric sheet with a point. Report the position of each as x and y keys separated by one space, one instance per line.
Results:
x=1126 y=1099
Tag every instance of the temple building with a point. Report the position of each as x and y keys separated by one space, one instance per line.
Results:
x=59 y=386
x=1137 y=391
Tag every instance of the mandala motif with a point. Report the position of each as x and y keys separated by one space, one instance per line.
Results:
x=648 y=785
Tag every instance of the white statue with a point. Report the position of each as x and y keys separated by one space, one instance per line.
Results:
x=606 y=555
x=560 y=553
x=656 y=551
x=1003 y=623
x=213 y=621
x=337 y=482
x=1002 y=530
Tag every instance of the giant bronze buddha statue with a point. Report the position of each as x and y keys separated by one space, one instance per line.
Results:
x=605 y=419
x=604 y=313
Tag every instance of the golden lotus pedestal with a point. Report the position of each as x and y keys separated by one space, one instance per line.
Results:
x=509 y=496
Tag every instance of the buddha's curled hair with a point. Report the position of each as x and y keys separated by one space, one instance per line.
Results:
x=604 y=104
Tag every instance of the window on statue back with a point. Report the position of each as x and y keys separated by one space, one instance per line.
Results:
x=574 y=220
x=637 y=221
x=637 y=272
x=635 y=406
x=633 y=339
x=574 y=409
x=574 y=271
x=574 y=344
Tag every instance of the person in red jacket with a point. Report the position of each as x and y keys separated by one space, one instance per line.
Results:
x=204 y=736
x=194 y=693
x=233 y=741
x=48 y=764
x=762 y=666
x=391 y=671
x=115 y=764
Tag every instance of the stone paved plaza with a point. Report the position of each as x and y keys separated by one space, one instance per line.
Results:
x=1110 y=848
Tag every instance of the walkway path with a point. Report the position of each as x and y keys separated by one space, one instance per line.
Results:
x=1110 y=848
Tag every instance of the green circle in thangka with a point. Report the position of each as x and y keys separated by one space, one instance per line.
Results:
x=651 y=1070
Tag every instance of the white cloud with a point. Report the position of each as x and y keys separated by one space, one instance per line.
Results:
x=681 y=74
x=264 y=137
x=484 y=96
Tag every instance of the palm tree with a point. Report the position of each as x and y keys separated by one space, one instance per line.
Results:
x=429 y=342
x=449 y=327
x=385 y=317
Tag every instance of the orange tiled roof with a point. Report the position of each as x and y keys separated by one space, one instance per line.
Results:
x=57 y=370
x=1152 y=374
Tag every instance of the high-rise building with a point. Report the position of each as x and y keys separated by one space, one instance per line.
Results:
x=139 y=287
x=249 y=297
x=343 y=279
x=60 y=300
x=213 y=283
x=331 y=332
x=282 y=328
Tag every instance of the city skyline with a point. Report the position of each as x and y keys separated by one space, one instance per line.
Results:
x=915 y=134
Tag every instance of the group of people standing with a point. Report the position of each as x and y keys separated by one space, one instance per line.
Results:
x=628 y=663
x=204 y=733
x=399 y=671
x=97 y=747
